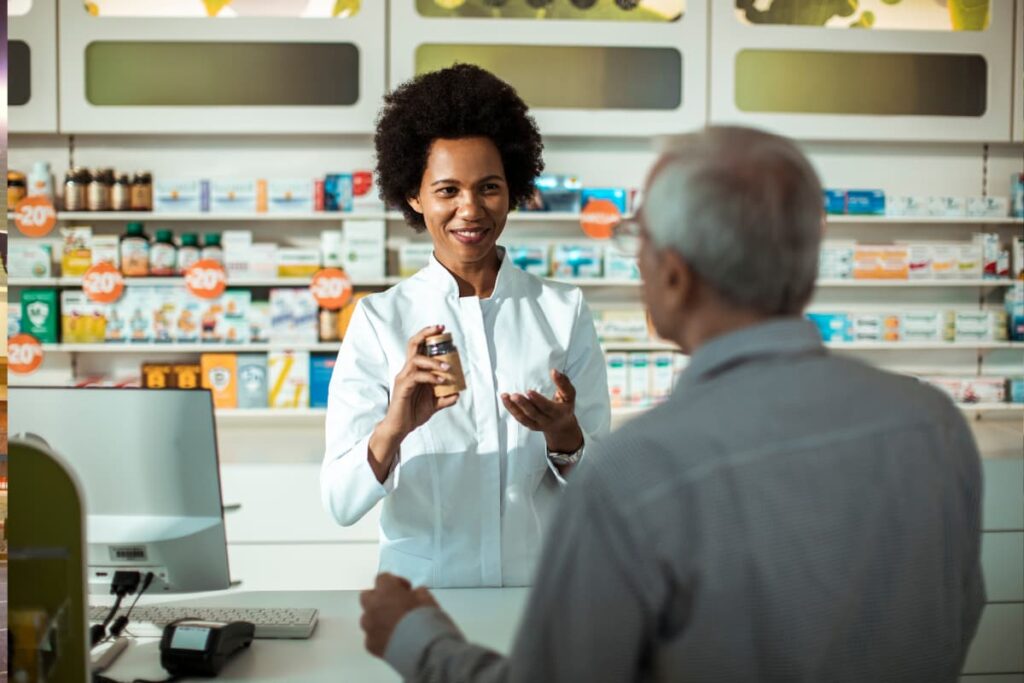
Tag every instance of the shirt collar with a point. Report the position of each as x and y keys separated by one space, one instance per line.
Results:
x=437 y=275
x=779 y=337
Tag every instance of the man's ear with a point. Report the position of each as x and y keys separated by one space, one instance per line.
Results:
x=678 y=279
x=414 y=202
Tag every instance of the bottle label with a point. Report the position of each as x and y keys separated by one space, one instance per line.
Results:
x=162 y=259
x=135 y=257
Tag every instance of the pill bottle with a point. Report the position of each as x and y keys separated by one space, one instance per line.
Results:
x=188 y=252
x=163 y=255
x=121 y=193
x=212 y=250
x=440 y=346
x=134 y=251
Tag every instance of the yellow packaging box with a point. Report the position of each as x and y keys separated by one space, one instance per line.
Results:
x=220 y=376
x=288 y=379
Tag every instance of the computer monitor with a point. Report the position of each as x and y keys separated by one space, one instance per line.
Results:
x=147 y=462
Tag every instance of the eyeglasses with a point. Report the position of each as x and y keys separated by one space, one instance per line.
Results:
x=626 y=237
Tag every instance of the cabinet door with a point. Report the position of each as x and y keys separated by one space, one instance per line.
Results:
x=997 y=645
x=250 y=73
x=1003 y=504
x=1018 y=75
x=864 y=71
x=32 y=66
x=610 y=75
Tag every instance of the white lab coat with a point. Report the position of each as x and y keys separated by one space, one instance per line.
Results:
x=472 y=490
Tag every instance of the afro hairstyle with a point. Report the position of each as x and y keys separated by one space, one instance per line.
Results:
x=458 y=102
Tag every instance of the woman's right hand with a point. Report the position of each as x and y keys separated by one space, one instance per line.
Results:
x=412 y=400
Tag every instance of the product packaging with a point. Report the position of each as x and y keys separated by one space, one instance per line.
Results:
x=175 y=195
x=105 y=249
x=157 y=376
x=233 y=195
x=988 y=207
x=621 y=325
x=1015 y=389
x=836 y=261
x=619 y=265
x=576 y=260
x=136 y=306
x=330 y=248
x=297 y=262
x=413 y=257
x=252 y=380
x=865 y=202
x=562 y=193
x=618 y=378
x=165 y=302
x=533 y=258
x=82 y=321
x=944 y=261
x=616 y=195
x=969 y=261
x=991 y=250
x=338 y=192
x=40 y=315
x=881 y=262
x=187 y=375
x=662 y=375
x=29 y=260
x=919 y=262
x=1017 y=194
x=320 y=368
x=925 y=326
x=1017 y=259
x=979 y=326
x=364 y=198
x=259 y=322
x=835 y=201
x=220 y=376
x=945 y=206
x=234 y=323
x=290 y=196
x=363 y=254
x=1014 y=303
x=288 y=379
x=834 y=327
x=639 y=379
x=76 y=255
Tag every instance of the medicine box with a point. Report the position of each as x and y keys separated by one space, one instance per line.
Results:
x=363 y=254
x=988 y=207
x=338 y=192
x=176 y=195
x=290 y=196
x=320 y=368
x=880 y=262
x=533 y=258
x=621 y=324
x=220 y=376
x=288 y=379
x=833 y=327
x=662 y=375
x=947 y=206
x=76 y=252
x=618 y=378
x=40 y=315
x=835 y=201
x=576 y=260
x=639 y=379
x=919 y=262
x=136 y=312
x=297 y=262
x=925 y=326
x=906 y=205
x=619 y=265
x=252 y=380
x=558 y=193
x=82 y=321
x=616 y=195
x=164 y=311
x=969 y=261
x=233 y=195
x=259 y=322
x=29 y=260
x=865 y=202
x=106 y=249
x=836 y=261
x=413 y=257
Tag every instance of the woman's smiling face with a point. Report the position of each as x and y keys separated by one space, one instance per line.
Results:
x=463 y=198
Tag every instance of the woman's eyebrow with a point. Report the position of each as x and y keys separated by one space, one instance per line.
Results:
x=453 y=181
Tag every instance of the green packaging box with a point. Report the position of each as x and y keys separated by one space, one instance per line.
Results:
x=40 y=315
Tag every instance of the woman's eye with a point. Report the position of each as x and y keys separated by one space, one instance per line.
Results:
x=447 y=191
x=491 y=187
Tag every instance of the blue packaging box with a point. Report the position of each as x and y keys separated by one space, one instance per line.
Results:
x=832 y=326
x=865 y=202
x=835 y=201
x=338 y=192
x=1016 y=392
x=1017 y=195
x=616 y=195
x=556 y=193
x=321 y=366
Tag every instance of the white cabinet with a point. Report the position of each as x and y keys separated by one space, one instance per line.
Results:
x=1018 y=75
x=895 y=84
x=998 y=646
x=32 y=68
x=572 y=66
x=220 y=75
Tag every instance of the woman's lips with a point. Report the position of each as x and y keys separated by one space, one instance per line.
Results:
x=470 y=235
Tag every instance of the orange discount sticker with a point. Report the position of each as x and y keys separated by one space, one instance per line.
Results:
x=331 y=288
x=206 y=279
x=35 y=216
x=103 y=283
x=24 y=354
x=598 y=218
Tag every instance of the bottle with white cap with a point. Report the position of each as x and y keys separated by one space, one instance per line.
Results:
x=40 y=180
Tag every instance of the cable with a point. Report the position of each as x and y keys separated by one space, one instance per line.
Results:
x=122 y=621
x=123 y=583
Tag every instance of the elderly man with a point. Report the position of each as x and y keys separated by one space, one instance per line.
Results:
x=786 y=515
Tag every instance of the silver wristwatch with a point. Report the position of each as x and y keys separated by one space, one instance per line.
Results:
x=563 y=459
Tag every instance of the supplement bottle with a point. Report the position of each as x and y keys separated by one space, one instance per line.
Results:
x=440 y=346
x=211 y=248
x=134 y=251
x=163 y=255
x=188 y=252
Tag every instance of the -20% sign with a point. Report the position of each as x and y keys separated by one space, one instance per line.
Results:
x=24 y=354
x=103 y=283
x=35 y=216
x=206 y=279
x=331 y=288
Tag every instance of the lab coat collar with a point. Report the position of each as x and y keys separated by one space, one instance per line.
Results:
x=438 y=276
x=780 y=337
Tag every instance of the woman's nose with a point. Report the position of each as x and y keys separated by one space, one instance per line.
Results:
x=470 y=205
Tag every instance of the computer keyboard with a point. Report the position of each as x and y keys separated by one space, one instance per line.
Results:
x=270 y=622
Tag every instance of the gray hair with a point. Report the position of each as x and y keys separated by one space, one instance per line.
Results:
x=744 y=209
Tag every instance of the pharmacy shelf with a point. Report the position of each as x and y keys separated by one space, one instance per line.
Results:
x=318 y=216
x=273 y=415
x=991 y=407
x=178 y=281
x=845 y=346
x=973 y=282
x=925 y=220
x=174 y=348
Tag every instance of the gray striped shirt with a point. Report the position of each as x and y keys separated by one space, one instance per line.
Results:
x=788 y=515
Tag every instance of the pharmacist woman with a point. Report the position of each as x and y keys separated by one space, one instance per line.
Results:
x=467 y=483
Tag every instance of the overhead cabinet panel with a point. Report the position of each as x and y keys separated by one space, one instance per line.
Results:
x=249 y=69
x=584 y=68
x=1018 y=75
x=915 y=70
x=32 y=66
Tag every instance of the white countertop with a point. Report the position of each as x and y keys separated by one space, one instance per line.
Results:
x=335 y=652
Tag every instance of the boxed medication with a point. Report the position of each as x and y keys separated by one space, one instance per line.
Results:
x=639 y=379
x=233 y=195
x=320 y=368
x=413 y=257
x=1017 y=259
x=288 y=379
x=620 y=265
x=330 y=248
x=40 y=314
x=988 y=207
x=173 y=195
x=1017 y=194
x=1014 y=305
x=29 y=260
x=259 y=322
x=994 y=263
x=947 y=206
x=621 y=324
x=13 y=321
x=662 y=375
x=881 y=262
x=616 y=195
x=290 y=196
x=106 y=249
x=836 y=261
x=82 y=321
x=1015 y=389
x=533 y=258
x=874 y=327
x=136 y=312
x=297 y=262
x=364 y=251
x=969 y=261
x=865 y=202
x=190 y=313
x=76 y=254
x=235 y=245
x=834 y=327
x=835 y=201
x=919 y=262
x=220 y=376
x=618 y=378
x=338 y=192
x=980 y=326
x=562 y=193
x=364 y=198
x=576 y=260
x=165 y=302
x=925 y=326
x=252 y=380
x=944 y=261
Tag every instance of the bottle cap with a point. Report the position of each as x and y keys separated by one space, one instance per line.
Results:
x=211 y=239
x=163 y=236
x=439 y=338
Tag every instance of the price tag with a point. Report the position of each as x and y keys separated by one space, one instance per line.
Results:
x=35 y=216
x=103 y=283
x=599 y=218
x=331 y=288
x=24 y=354
x=206 y=279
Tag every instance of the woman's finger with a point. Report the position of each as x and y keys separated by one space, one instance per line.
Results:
x=417 y=339
x=518 y=414
x=544 y=405
x=565 y=387
x=426 y=363
x=524 y=404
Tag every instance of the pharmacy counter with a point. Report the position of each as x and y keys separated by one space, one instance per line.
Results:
x=335 y=652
